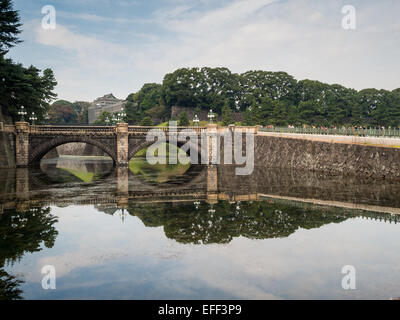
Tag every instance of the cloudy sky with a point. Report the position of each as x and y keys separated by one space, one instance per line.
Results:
x=103 y=46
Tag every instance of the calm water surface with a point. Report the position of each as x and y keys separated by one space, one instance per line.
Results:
x=200 y=234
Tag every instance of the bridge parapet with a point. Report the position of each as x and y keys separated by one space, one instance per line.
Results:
x=7 y=128
x=72 y=130
x=137 y=130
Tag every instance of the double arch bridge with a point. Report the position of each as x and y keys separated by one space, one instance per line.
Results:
x=120 y=142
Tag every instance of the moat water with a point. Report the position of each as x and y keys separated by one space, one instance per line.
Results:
x=195 y=233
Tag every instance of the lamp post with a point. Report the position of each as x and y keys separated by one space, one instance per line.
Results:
x=211 y=116
x=196 y=120
x=122 y=115
x=33 y=118
x=107 y=121
x=22 y=112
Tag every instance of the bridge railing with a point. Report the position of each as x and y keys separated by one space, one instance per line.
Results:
x=8 y=128
x=145 y=130
x=368 y=132
x=71 y=129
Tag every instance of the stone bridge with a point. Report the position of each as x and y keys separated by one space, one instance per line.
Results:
x=357 y=156
x=120 y=142
x=211 y=185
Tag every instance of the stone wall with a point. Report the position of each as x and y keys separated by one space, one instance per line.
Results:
x=7 y=145
x=338 y=158
x=7 y=150
x=79 y=149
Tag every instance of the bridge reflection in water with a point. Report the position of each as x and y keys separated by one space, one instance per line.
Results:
x=106 y=186
x=206 y=205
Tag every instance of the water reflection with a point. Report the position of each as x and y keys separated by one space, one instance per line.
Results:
x=160 y=173
x=21 y=233
x=224 y=221
x=202 y=206
x=85 y=181
x=76 y=169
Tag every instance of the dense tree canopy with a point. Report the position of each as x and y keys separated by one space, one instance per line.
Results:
x=146 y=103
x=19 y=85
x=29 y=87
x=277 y=98
x=9 y=26
x=69 y=113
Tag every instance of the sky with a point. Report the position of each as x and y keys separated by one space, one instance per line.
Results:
x=116 y=46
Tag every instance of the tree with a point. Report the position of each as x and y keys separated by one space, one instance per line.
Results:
x=82 y=109
x=62 y=112
x=183 y=119
x=265 y=98
x=9 y=26
x=257 y=85
x=146 y=122
x=19 y=85
x=146 y=102
x=20 y=233
x=10 y=287
x=226 y=114
x=101 y=120
x=29 y=87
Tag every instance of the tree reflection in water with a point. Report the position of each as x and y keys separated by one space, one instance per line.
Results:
x=204 y=224
x=20 y=233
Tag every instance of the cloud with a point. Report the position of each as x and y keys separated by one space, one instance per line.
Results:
x=302 y=37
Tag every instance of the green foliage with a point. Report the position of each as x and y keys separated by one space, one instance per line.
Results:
x=62 y=112
x=19 y=85
x=28 y=87
x=147 y=102
x=146 y=122
x=81 y=109
x=183 y=120
x=226 y=114
x=9 y=26
x=22 y=232
x=27 y=231
x=276 y=98
x=253 y=220
x=68 y=113
x=9 y=287
x=101 y=120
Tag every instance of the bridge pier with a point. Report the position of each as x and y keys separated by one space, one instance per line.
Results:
x=123 y=181
x=212 y=184
x=22 y=144
x=212 y=144
x=122 y=144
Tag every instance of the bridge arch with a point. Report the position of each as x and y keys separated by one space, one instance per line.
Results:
x=42 y=149
x=134 y=149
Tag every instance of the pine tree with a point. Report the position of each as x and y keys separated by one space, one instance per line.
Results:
x=9 y=26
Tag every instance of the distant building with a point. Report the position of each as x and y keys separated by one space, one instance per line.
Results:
x=107 y=103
